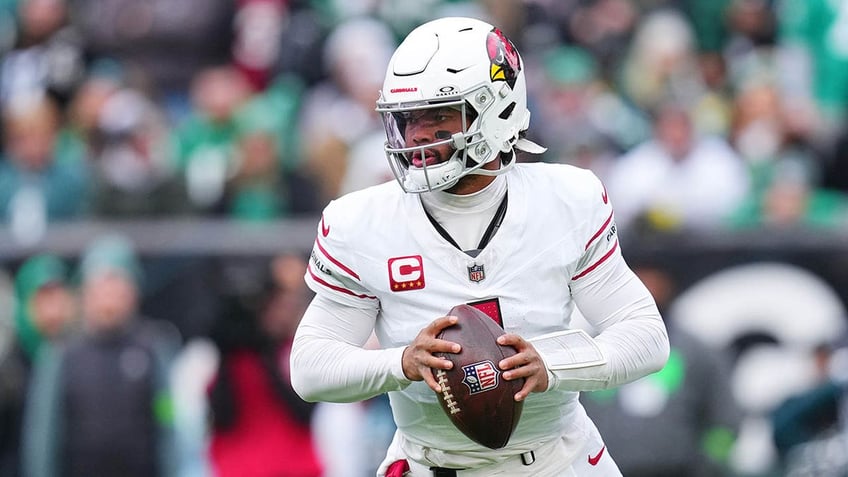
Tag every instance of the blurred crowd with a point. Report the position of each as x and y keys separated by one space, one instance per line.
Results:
x=697 y=115
x=728 y=113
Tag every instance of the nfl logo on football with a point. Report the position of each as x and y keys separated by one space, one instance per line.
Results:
x=476 y=273
x=480 y=376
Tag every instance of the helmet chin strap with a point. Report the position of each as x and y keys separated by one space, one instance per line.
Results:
x=493 y=172
x=481 y=171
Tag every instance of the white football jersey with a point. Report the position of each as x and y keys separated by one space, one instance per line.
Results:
x=377 y=250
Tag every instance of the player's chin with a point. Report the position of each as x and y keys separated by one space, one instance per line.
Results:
x=470 y=181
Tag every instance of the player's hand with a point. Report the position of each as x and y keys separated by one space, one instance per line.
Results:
x=418 y=359
x=527 y=364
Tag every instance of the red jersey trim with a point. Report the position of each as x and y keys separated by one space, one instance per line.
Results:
x=599 y=232
x=336 y=262
x=320 y=281
x=598 y=263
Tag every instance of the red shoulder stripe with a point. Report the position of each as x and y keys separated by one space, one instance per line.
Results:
x=335 y=287
x=599 y=232
x=598 y=263
x=333 y=259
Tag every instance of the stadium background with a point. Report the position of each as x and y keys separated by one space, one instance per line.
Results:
x=212 y=132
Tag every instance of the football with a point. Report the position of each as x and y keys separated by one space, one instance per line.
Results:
x=474 y=394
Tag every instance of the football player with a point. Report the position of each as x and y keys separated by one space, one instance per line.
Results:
x=525 y=243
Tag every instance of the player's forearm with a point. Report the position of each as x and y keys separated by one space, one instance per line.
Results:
x=634 y=338
x=633 y=341
x=634 y=348
x=629 y=351
x=328 y=362
x=326 y=370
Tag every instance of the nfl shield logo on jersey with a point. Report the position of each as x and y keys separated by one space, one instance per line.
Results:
x=476 y=273
x=480 y=376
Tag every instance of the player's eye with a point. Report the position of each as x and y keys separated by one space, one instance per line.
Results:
x=446 y=114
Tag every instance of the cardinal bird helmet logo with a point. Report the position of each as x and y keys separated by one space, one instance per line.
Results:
x=505 y=62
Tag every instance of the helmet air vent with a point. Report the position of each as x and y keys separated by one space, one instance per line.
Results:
x=507 y=112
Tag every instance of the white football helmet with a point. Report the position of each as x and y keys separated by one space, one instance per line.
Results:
x=468 y=65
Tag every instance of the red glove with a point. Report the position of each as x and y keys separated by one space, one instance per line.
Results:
x=398 y=468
